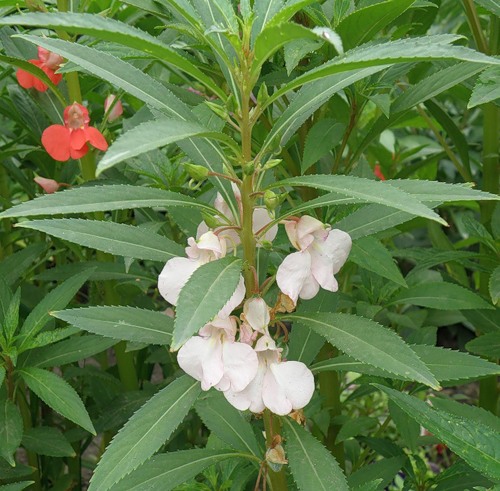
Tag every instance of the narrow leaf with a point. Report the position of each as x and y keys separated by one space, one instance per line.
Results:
x=123 y=323
x=115 y=238
x=57 y=394
x=486 y=345
x=204 y=295
x=11 y=430
x=45 y=440
x=145 y=432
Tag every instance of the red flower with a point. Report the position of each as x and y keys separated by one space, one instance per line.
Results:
x=378 y=172
x=70 y=140
x=49 y=62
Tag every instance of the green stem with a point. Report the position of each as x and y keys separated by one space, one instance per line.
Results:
x=475 y=25
x=6 y=248
x=329 y=387
x=272 y=426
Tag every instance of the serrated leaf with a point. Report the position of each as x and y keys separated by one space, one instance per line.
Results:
x=494 y=286
x=322 y=137
x=16 y=486
x=15 y=265
x=115 y=238
x=226 y=422
x=364 y=189
x=151 y=135
x=145 y=432
x=164 y=472
x=311 y=464
x=103 y=198
x=385 y=470
x=487 y=88
x=116 y=32
x=57 y=394
x=458 y=477
x=371 y=254
x=362 y=24
x=476 y=443
x=54 y=300
x=206 y=292
x=356 y=426
x=11 y=430
x=68 y=351
x=492 y=6
x=45 y=440
x=123 y=323
x=368 y=342
x=440 y=295
x=486 y=345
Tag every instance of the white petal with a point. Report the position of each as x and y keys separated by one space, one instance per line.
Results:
x=310 y=288
x=210 y=242
x=308 y=228
x=251 y=396
x=322 y=271
x=236 y=298
x=174 y=276
x=260 y=219
x=291 y=231
x=293 y=272
x=337 y=246
x=257 y=313
x=202 y=359
x=296 y=386
x=240 y=365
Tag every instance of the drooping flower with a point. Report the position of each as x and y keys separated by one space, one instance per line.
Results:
x=48 y=185
x=280 y=386
x=70 y=140
x=178 y=270
x=322 y=252
x=49 y=62
x=116 y=110
x=216 y=359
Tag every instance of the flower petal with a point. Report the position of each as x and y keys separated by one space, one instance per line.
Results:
x=48 y=185
x=79 y=153
x=236 y=298
x=240 y=365
x=293 y=272
x=26 y=80
x=56 y=141
x=310 y=288
x=308 y=229
x=96 y=138
x=337 y=246
x=251 y=396
x=287 y=385
x=260 y=219
x=174 y=276
x=77 y=139
x=257 y=313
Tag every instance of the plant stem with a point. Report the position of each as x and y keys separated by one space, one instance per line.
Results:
x=6 y=248
x=475 y=25
x=272 y=426
x=329 y=387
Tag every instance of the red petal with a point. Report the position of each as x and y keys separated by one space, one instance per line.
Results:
x=79 y=153
x=55 y=77
x=55 y=140
x=96 y=138
x=25 y=79
x=77 y=139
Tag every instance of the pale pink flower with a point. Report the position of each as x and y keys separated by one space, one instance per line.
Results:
x=255 y=319
x=178 y=270
x=280 y=386
x=48 y=185
x=117 y=109
x=322 y=252
x=216 y=359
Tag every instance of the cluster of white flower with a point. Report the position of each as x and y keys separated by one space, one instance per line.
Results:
x=250 y=371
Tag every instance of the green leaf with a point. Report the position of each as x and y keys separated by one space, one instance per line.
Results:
x=16 y=486
x=11 y=430
x=45 y=440
x=365 y=189
x=264 y=11
x=15 y=265
x=145 y=432
x=11 y=317
x=288 y=11
x=56 y=299
x=362 y=24
x=494 y=286
x=123 y=323
x=206 y=292
x=311 y=464
x=356 y=426
x=68 y=351
x=383 y=470
x=440 y=295
x=492 y=6
x=115 y=238
x=164 y=472
x=368 y=342
x=400 y=51
x=116 y=32
x=151 y=135
x=5 y=298
x=408 y=428
x=322 y=137
x=476 y=443
x=57 y=394
x=486 y=345
x=371 y=254
x=226 y=422
x=451 y=365
x=104 y=198
x=458 y=477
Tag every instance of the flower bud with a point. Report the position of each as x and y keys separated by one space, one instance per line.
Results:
x=271 y=163
x=116 y=110
x=197 y=172
x=248 y=168
x=271 y=200
x=221 y=111
x=210 y=220
x=263 y=94
x=275 y=457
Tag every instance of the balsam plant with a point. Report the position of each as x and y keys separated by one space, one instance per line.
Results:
x=238 y=243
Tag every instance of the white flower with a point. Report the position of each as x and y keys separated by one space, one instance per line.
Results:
x=178 y=270
x=322 y=252
x=255 y=319
x=280 y=386
x=216 y=359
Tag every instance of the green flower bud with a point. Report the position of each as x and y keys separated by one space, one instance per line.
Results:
x=197 y=172
x=271 y=200
x=221 y=111
x=210 y=220
x=248 y=168
x=271 y=163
